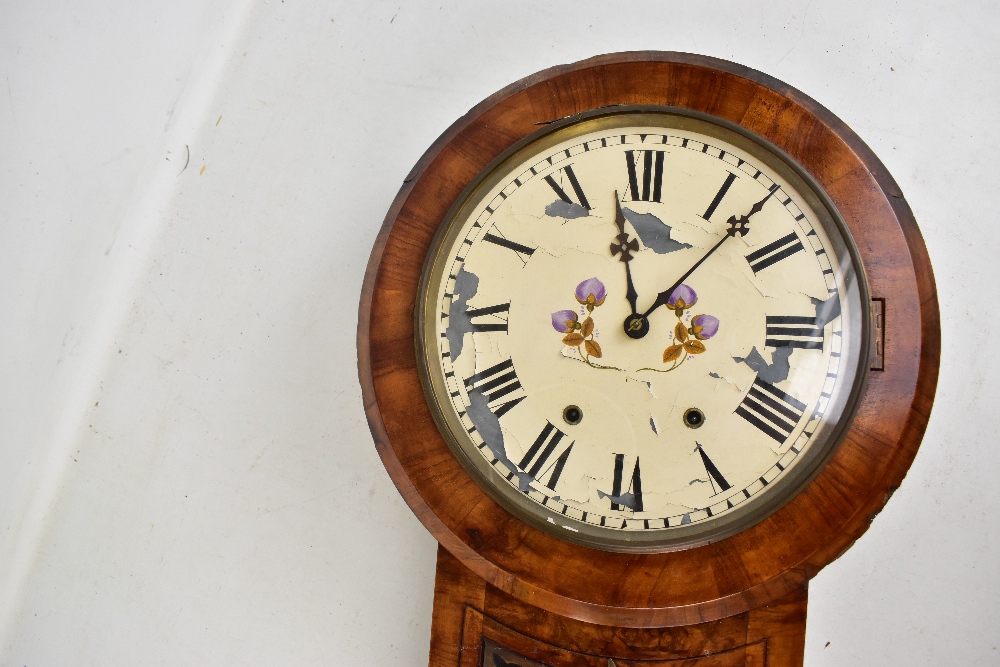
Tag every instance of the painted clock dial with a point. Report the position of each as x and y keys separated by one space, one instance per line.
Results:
x=643 y=328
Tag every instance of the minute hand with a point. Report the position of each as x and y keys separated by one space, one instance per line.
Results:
x=739 y=226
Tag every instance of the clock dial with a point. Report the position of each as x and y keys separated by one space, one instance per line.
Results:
x=643 y=329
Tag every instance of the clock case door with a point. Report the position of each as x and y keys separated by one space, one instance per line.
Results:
x=476 y=624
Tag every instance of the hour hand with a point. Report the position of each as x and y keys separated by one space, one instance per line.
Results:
x=623 y=245
x=622 y=248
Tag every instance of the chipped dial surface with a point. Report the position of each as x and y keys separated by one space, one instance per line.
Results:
x=739 y=384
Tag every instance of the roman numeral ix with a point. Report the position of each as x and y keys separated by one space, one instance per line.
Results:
x=790 y=331
x=774 y=252
x=574 y=183
x=493 y=313
x=771 y=410
x=543 y=448
x=496 y=382
x=651 y=172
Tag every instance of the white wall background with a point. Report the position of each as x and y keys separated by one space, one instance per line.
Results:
x=188 y=197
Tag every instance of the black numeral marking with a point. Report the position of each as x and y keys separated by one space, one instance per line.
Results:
x=730 y=179
x=652 y=174
x=494 y=313
x=717 y=479
x=543 y=448
x=790 y=331
x=771 y=410
x=635 y=488
x=496 y=382
x=501 y=241
x=774 y=252
x=574 y=184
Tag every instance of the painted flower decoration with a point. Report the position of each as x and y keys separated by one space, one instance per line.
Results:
x=704 y=327
x=580 y=335
x=564 y=321
x=591 y=293
x=687 y=339
x=681 y=298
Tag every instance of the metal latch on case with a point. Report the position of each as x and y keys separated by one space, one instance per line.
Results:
x=878 y=334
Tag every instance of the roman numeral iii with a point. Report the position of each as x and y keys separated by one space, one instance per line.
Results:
x=774 y=252
x=649 y=166
x=771 y=410
x=581 y=198
x=791 y=331
x=538 y=455
x=495 y=316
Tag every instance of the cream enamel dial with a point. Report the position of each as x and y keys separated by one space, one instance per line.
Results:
x=642 y=329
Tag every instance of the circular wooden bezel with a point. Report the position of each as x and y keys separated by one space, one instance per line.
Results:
x=702 y=583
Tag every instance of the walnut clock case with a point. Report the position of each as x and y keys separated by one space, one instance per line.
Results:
x=645 y=342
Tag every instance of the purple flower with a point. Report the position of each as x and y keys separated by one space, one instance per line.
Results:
x=564 y=321
x=683 y=297
x=591 y=293
x=704 y=326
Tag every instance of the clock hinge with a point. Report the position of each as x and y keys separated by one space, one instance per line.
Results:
x=878 y=334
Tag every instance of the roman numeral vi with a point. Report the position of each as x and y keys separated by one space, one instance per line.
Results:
x=635 y=488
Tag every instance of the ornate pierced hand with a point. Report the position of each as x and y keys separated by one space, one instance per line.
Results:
x=737 y=225
x=623 y=247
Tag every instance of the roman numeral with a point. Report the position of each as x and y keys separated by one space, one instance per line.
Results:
x=652 y=174
x=730 y=179
x=543 y=447
x=717 y=479
x=499 y=312
x=505 y=243
x=574 y=183
x=774 y=252
x=771 y=410
x=790 y=331
x=635 y=487
x=496 y=382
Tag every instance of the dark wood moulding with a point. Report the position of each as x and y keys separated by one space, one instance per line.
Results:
x=771 y=560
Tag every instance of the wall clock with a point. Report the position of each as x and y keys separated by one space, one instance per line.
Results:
x=645 y=342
